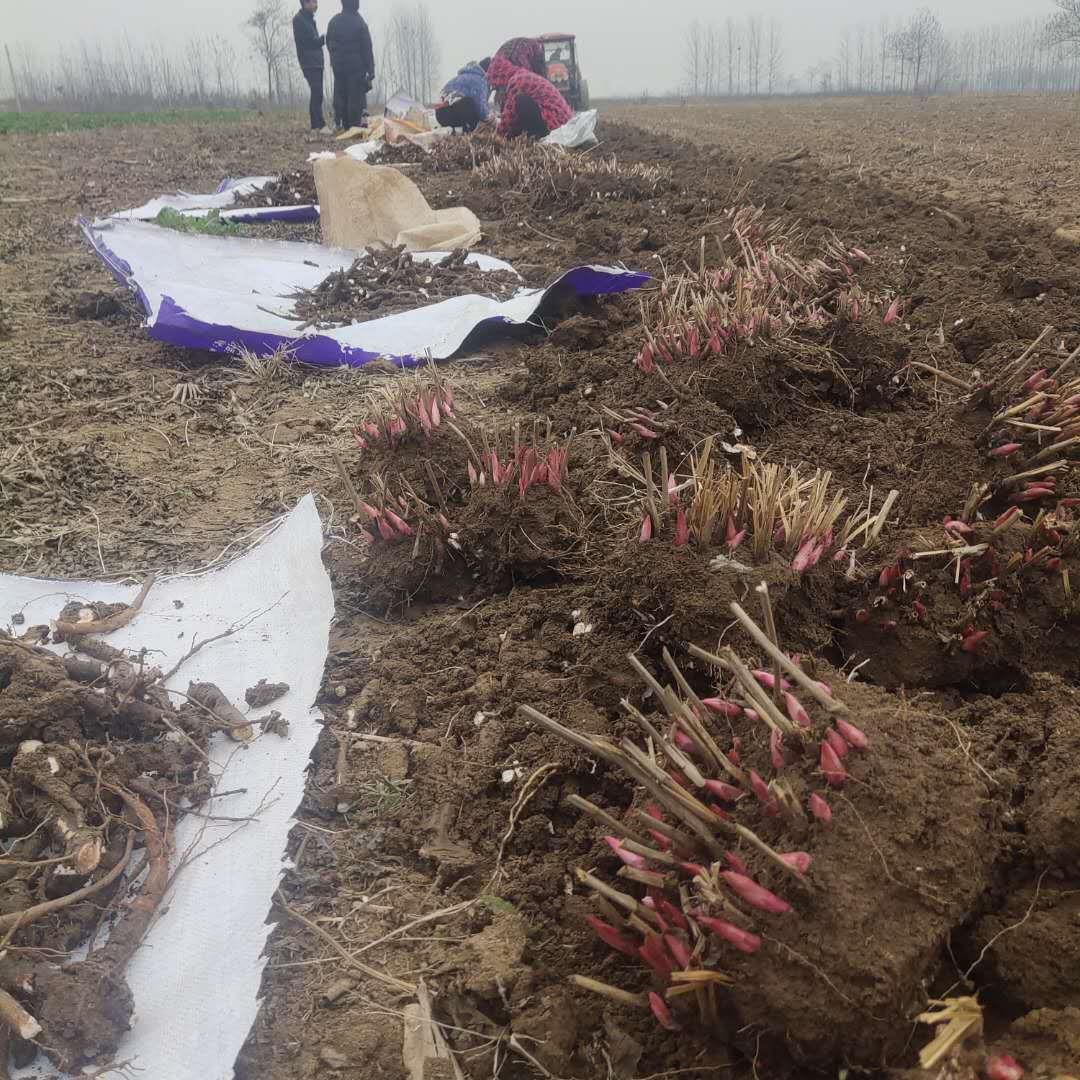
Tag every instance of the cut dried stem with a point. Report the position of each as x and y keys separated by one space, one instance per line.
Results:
x=770 y=628
x=829 y=704
x=617 y=827
x=612 y=993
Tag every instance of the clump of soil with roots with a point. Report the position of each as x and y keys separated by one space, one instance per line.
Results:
x=100 y=764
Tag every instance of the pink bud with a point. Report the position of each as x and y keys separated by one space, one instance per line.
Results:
x=473 y=477
x=743 y=940
x=820 y=809
x=801 y=561
x=893 y=314
x=776 y=750
x=760 y=790
x=678 y=949
x=737 y=539
x=385 y=531
x=735 y=862
x=610 y=936
x=670 y=912
x=646 y=530
x=796 y=713
x=1034 y=381
x=889 y=575
x=662 y=1012
x=1003 y=1067
x=724 y=792
x=645 y=359
x=631 y=858
x=798 y=860
x=682 y=530
x=401 y=526
x=693 y=869
x=972 y=641
x=853 y=735
x=722 y=706
x=656 y=956
x=644 y=432
x=830 y=766
x=768 y=680
x=754 y=894
x=958 y=528
x=685 y=743
x=840 y=748
x=1005 y=450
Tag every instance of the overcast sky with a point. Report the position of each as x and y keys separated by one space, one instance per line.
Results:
x=627 y=46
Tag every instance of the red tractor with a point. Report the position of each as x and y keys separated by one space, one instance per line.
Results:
x=560 y=54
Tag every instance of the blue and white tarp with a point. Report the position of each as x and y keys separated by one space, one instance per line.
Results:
x=221 y=200
x=223 y=294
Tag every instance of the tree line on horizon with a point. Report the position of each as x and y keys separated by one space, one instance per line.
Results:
x=733 y=58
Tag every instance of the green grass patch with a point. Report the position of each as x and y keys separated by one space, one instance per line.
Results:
x=211 y=225
x=44 y=123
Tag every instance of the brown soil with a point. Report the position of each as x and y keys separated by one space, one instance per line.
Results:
x=951 y=863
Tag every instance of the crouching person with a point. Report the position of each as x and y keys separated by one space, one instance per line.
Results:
x=464 y=99
x=530 y=104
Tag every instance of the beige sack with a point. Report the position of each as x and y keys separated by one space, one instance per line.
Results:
x=362 y=205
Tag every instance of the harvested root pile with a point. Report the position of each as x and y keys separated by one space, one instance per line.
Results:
x=388 y=282
x=749 y=894
x=402 y=153
x=99 y=763
x=547 y=176
x=290 y=189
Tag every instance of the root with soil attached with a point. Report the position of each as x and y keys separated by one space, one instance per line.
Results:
x=77 y=749
x=725 y=878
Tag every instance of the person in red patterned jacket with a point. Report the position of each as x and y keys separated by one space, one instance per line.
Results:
x=531 y=105
x=525 y=53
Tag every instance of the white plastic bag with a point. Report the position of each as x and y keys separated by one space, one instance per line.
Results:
x=579 y=130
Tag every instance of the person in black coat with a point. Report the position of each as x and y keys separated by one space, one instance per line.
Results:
x=309 y=51
x=352 y=58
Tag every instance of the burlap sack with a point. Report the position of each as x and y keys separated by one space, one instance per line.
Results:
x=362 y=205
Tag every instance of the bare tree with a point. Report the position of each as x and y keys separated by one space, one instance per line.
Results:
x=918 y=42
x=1063 y=27
x=693 y=59
x=267 y=31
x=753 y=63
x=732 y=33
x=712 y=62
x=775 y=54
x=411 y=56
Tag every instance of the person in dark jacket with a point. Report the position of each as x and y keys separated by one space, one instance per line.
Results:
x=309 y=51
x=352 y=59
x=464 y=99
x=530 y=104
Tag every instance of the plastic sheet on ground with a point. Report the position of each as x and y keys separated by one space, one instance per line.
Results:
x=196 y=978
x=224 y=294
x=221 y=200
